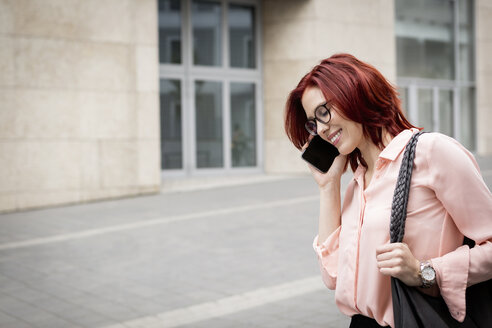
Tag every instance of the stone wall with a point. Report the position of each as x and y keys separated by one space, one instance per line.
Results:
x=483 y=43
x=79 y=102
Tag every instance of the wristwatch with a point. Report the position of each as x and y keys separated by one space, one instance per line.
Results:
x=427 y=274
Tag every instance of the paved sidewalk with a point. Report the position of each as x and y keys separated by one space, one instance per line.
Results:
x=231 y=256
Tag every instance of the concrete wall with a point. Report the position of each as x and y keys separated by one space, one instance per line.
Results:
x=297 y=35
x=483 y=27
x=79 y=101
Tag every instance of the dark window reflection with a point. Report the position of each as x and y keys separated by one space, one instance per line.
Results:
x=171 y=138
x=207 y=27
x=243 y=124
x=424 y=38
x=170 y=31
x=209 y=142
x=241 y=36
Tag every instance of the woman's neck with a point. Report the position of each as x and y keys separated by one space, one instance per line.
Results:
x=370 y=152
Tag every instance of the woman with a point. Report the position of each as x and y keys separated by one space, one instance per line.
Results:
x=351 y=105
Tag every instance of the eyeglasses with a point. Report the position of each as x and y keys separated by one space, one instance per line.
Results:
x=321 y=114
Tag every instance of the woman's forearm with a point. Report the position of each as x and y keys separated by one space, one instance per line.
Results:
x=329 y=210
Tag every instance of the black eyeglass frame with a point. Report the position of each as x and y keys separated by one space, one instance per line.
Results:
x=316 y=118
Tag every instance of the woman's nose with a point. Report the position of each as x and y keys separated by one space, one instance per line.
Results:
x=321 y=127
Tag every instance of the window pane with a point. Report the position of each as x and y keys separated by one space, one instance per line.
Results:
x=468 y=118
x=208 y=103
x=243 y=124
x=446 y=112
x=425 y=109
x=241 y=36
x=424 y=38
x=466 y=40
x=403 y=95
x=207 y=27
x=171 y=139
x=170 y=31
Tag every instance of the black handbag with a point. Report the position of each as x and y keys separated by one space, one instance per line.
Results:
x=411 y=308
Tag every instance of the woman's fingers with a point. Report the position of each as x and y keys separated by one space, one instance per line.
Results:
x=390 y=263
x=385 y=256
x=397 y=260
x=389 y=247
x=307 y=143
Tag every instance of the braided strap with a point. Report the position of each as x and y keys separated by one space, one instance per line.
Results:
x=402 y=191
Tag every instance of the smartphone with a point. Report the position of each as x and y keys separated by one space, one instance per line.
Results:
x=320 y=154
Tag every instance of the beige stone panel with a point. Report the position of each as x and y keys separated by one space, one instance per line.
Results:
x=147 y=68
x=374 y=12
x=45 y=113
x=388 y=71
x=148 y=115
x=7 y=16
x=282 y=157
x=105 y=66
x=484 y=96
x=40 y=199
x=484 y=145
x=45 y=165
x=89 y=165
x=8 y=202
x=110 y=115
x=73 y=65
x=484 y=114
x=9 y=118
x=483 y=23
x=484 y=101
x=46 y=63
x=282 y=76
x=146 y=22
x=274 y=119
x=484 y=52
x=149 y=163
x=373 y=44
x=289 y=40
x=119 y=163
x=287 y=10
x=10 y=159
x=7 y=63
x=109 y=20
x=333 y=37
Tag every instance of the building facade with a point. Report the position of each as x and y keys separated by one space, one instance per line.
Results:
x=104 y=99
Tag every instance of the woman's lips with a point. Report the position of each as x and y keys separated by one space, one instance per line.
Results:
x=335 y=137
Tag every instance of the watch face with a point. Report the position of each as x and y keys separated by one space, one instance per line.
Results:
x=428 y=274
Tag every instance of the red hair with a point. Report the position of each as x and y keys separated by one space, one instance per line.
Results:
x=359 y=92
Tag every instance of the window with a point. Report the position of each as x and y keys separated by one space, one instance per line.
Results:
x=210 y=86
x=434 y=41
x=171 y=139
x=170 y=31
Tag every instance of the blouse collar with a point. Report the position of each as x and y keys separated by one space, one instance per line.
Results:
x=392 y=150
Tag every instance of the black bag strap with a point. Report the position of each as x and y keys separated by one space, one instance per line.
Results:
x=402 y=191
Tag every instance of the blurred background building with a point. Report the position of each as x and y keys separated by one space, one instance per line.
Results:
x=103 y=99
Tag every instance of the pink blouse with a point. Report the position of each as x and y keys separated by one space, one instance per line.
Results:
x=448 y=199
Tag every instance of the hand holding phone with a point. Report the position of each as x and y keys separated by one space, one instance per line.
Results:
x=320 y=154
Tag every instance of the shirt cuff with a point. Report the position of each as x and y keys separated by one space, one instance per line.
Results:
x=328 y=258
x=452 y=277
x=329 y=246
